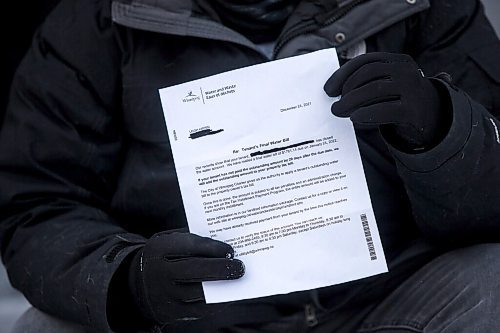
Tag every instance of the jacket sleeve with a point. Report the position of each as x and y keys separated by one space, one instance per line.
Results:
x=60 y=152
x=454 y=187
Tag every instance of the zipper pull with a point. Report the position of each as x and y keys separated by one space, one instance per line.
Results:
x=310 y=313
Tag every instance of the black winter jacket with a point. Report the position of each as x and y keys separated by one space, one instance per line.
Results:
x=86 y=172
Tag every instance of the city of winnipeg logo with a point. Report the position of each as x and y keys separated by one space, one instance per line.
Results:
x=191 y=97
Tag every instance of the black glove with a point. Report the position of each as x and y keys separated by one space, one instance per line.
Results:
x=165 y=275
x=390 y=91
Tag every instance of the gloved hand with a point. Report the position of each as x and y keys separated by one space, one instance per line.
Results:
x=390 y=91
x=164 y=276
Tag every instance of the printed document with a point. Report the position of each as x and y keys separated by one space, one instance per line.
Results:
x=264 y=166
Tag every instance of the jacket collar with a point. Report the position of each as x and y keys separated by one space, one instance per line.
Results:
x=177 y=17
x=173 y=17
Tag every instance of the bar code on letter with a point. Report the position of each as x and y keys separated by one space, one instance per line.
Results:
x=368 y=237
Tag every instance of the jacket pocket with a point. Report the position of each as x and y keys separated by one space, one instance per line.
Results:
x=486 y=58
x=474 y=70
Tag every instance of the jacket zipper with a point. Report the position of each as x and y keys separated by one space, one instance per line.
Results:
x=318 y=22
x=310 y=315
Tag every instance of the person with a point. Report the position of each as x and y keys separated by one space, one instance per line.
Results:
x=93 y=230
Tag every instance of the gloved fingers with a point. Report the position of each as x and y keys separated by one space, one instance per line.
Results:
x=373 y=72
x=180 y=245
x=191 y=270
x=384 y=113
x=370 y=94
x=187 y=292
x=334 y=85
